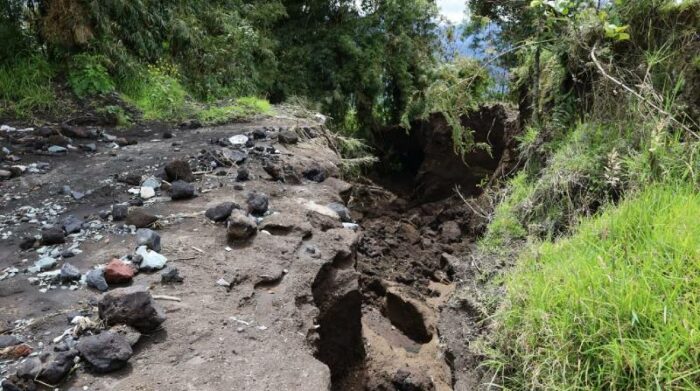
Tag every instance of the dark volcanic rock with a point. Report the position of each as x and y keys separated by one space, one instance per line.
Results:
x=170 y=276
x=133 y=306
x=53 y=235
x=181 y=190
x=257 y=203
x=140 y=218
x=130 y=179
x=27 y=243
x=56 y=369
x=242 y=175
x=105 y=352
x=119 y=212
x=149 y=238
x=240 y=226
x=72 y=224
x=315 y=173
x=288 y=137
x=95 y=279
x=221 y=212
x=342 y=211
x=179 y=170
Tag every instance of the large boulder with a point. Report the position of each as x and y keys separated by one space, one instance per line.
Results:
x=132 y=306
x=179 y=170
x=105 y=352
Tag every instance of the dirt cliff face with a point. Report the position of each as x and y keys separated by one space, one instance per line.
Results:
x=421 y=162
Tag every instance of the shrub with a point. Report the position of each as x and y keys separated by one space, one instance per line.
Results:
x=237 y=109
x=158 y=94
x=88 y=76
x=614 y=307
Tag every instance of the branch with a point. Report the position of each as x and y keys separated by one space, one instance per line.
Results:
x=637 y=94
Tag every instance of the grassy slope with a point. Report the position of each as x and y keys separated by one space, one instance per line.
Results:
x=615 y=306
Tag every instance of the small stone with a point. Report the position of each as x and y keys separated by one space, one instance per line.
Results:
x=118 y=272
x=77 y=195
x=95 y=279
x=259 y=134
x=51 y=236
x=288 y=137
x=151 y=182
x=221 y=212
x=242 y=174
x=130 y=179
x=8 y=340
x=146 y=193
x=105 y=352
x=151 y=259
x=315 y=173
x=140 y=218
x=167 y=135
x=342 y=211
x=45 y=263
x=119 y=212
x=181 y=190
x=69 y=273
x=224 y=283
x=238 y=140
x=133 y=306
x=57 y=149
x=27 y=243
x=4 y=174
x=170 y=276
x=257 y=203
x=72 y=224
x=90 y=147
x=240 y=226
x=149 y=238
x=179 y=170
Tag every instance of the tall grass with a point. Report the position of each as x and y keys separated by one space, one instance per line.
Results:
x=25 y=87
x=614 y=307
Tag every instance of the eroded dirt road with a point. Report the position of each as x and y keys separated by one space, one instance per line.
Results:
x=311 y=301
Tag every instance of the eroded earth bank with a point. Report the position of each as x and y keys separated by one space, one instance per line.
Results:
x=236 y=258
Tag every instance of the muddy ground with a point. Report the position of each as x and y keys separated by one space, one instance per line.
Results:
x=310 y=302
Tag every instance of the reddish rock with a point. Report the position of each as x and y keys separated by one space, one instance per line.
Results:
x=118 y=272
x=15 y=352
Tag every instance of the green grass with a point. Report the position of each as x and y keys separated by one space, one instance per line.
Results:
x=25 y=87
x=237 y=109
x=158 y=94
x=613 y=307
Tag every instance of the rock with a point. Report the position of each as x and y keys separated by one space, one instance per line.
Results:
x=15 y=384
x=147 y=193
x=90 y=147
x=170 y=276
x=151 y=259
x=167 y=135
x=259 y=134
x=288 y=137
x=51 y=236
x=130 y=179
x=4 y=174
x=191 y=124
x=238 y=140
x=129 y=333
x=342 y=211
x=240 y=226
x=77 y=132
x=273 y=170
x=132 y=306
x=105 y=352
x=95 y=279
x=404 y=380
x=315 y=173
x=57 y=149
x=181 y=190
x=450 y=232
x=140 y=218
x=149 y=238
x=221 y=212
x=31 y=367
x=72 y=224
x=69 y=273
x=118 y=272
x=8 y=340
x=257 y=203
x=242 y=175
x=43 y=264
x=15 y=352
x=119 y=212
x=236 y=156
x=179 y=170
x=151 y=182
x=57 y=368
x=27 y=243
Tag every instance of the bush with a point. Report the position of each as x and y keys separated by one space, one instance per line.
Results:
x=614 y=307
x=25 y=87
x=158 y=94
x=88 y=76
x=240 y=108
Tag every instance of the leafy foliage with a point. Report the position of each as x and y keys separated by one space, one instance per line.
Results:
x=87 y=75
x=25 y=87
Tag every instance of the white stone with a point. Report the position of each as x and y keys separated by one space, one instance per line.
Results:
x=147 y=192
x=238 y=139
x=151 y=259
